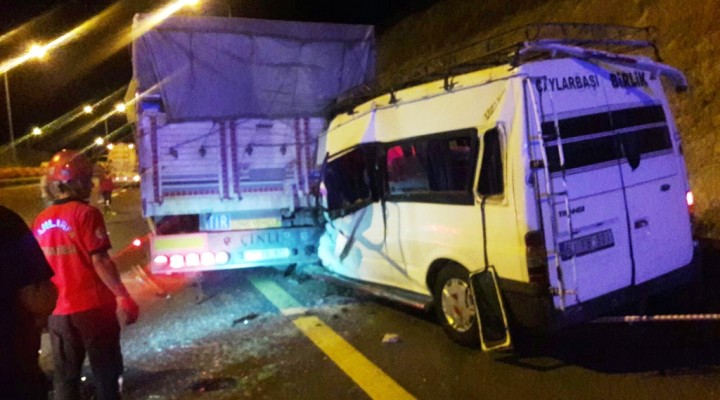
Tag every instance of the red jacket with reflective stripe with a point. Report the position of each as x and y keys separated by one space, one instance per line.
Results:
x=69 y=232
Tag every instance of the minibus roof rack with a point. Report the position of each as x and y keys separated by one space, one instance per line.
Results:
x=505 y=48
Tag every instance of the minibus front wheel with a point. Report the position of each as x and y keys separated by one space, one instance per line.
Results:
x=455 y=305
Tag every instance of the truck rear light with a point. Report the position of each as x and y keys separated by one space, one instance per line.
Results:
x=222 y=258
x=690 y=201
x=207 y=259
x=177 y=261
x=161 y=260
x=192 y=259
x=536 y=256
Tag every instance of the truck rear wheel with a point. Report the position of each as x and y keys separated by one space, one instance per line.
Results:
x=455 y=305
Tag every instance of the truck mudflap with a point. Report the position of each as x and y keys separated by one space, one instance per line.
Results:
x=212 y=251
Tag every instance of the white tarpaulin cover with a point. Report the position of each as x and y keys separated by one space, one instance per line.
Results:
x=218 y=68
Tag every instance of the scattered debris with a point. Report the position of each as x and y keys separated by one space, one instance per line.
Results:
x=245 y=319
x=290 y=269
x=391 y=338
x=212 y=385
x=302 y=277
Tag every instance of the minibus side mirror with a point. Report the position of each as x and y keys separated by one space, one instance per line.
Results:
x=491 y=181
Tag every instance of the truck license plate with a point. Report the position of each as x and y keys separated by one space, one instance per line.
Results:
x=586 y=244
x=228 y=222
x=266 y=254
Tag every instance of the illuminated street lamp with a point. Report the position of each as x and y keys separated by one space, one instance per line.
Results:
x=37 y=131
x=110 y=146
x=88 y=109
x=35 y=51
x=99 y=141
x=119 y=108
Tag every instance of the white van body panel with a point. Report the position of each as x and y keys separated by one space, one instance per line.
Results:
x=644 y=206
x=418 y=233
x=419 y=111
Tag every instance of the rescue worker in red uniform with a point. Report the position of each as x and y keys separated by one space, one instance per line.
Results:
x=106 y=188
x=84 y=322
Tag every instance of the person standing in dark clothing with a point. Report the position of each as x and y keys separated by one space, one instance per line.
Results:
x=84 y=323
x=27 y=297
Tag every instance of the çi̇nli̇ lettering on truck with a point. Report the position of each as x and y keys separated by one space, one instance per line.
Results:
x=228 y=112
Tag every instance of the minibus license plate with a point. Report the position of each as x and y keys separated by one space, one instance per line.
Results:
x=586 y=244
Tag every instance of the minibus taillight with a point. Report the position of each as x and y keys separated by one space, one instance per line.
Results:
x=690 y=202
x=536 y=256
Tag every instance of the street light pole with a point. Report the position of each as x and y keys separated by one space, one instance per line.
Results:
x=9 y=115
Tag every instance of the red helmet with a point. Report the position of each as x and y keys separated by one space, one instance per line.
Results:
x=69 y=165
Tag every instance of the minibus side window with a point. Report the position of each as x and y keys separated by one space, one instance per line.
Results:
x=491 y=181
x=436 y=168
x=589 y=140
x=349 y=180
x=405 y=171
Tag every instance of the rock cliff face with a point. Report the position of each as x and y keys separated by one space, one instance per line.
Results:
x=688 y=38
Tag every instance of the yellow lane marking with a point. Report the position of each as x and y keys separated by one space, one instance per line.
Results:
x=367 y=375
x=362 y=371
x=280 y=298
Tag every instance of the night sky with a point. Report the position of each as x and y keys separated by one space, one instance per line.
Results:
x=98 y=63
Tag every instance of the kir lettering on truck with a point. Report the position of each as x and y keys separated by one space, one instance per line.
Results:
x=591 y=81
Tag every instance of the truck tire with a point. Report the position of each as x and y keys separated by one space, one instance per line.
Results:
x=455 y=306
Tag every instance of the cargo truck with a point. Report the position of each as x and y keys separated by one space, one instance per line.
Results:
x=228 y=112
x=122 y=164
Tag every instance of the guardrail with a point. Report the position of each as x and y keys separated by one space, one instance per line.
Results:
x=19 y=181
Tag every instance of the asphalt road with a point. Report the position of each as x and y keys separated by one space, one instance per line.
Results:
x=262 y=335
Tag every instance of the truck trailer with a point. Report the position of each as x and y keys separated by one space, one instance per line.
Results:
x=228 y=112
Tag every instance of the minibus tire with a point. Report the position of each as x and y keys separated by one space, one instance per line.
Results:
x=455 y=276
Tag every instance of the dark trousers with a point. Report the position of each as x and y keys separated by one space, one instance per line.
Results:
x=107 y=196
x=95 y=333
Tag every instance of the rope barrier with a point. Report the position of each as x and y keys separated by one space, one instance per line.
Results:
x=657 y=318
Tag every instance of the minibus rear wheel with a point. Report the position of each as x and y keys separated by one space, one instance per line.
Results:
x=455 y=306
